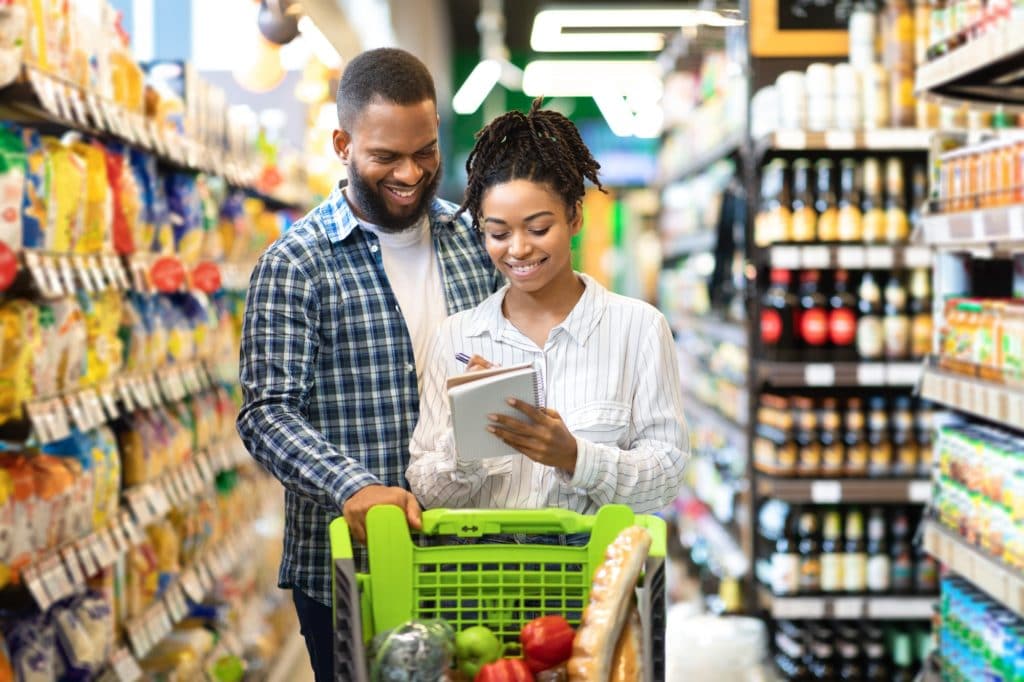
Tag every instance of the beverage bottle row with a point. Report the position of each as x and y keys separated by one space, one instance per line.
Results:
x=823 y=652
x=805 y=203
x=846 y=316
x=873 y=437
x=831 y=552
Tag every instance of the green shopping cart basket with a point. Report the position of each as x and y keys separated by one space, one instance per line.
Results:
x=472 y=582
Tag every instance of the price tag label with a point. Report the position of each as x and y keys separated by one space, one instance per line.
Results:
x=880 y=257
x=132 y=529
x=35 y=586
x=118 y=538
x=809 y=608
x=161 y=502
x=791 y=139
x=73 y=566
x=125 y=667
x=205 y=469
x=137 y=637
x=917 y=257
x=192 y=586
x=840 y=139
x=816 y=257
x=53 y=279
x=205 y=576
x=59 y=418
x=108 y=397
x=94 y=406
x=40 y=424
x=43 y=90
x=826 y=492
x=124 y=388
x=96 y=272
x=120 y=274
x=786 y=257
x=35 y=267
x=848 y=608
x=103 y=548
x=919 y=491
x=83 y=548
x=67 y=274
x=851 y=257
x=55 y=577
x=82 y=273
x=820 y=374
x=163 y=620
x=154 y=390
x=903 y=373
x=871 y=374
x=61 y=98
x=77 y=414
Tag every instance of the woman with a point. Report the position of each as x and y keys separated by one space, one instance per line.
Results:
x=612 y=429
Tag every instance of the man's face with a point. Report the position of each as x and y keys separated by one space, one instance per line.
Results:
x=394 y=164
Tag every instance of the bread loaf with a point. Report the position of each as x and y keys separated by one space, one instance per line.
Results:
x=628 y=661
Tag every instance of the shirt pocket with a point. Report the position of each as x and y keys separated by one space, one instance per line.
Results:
x=497 y=467
x=601 y=421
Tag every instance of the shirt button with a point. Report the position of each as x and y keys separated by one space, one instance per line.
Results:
x=374 y=248
x=409 y=367
x=398 y=309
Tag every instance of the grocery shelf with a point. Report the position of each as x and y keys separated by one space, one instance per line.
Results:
x=984 y=69
x=865 y=607
x=833 y=491
x=51 y=102
x=685 y=245
x=847 y=256
x=886 y=139
x=1001 y=582
x=986 y=399
x=999 y=229
x=703 y=412
x=704 y=158
x=824 y=374
x=714 y=328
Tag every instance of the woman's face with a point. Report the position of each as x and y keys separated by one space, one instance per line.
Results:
x=527 y=233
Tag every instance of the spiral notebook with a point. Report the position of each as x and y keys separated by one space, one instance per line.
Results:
x=474 y=395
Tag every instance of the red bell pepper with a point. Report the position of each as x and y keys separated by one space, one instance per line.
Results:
x=505 y=670
x=547 y=642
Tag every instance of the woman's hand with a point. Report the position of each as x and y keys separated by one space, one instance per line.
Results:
x=544 y=437
x=477 y=363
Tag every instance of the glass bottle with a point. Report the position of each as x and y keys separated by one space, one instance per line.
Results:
x=825 y=202
x=850 y=667
x=870 y=339
x=813 y=331
x=873 y=216
x=902 y=561
x=855 y=557
x=772 y=222
x=879 y=443
x=831 y=553
x=926 y=572
x=878 y=553
x=920 y=309
x=825 y=669
x=832 y=450
x=855 y=439
x=902 y=658
x=810 y=559
x=778 y=313
x=842 y=319
x=807 y=442
x=849 y=226
x=876 y=668
x=896 y=323
x=803 y=225
x=897 y=224
x=905 y=454
x=786 y=562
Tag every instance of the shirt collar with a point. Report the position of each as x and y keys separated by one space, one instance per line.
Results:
x=579 y=324
x=340 y=221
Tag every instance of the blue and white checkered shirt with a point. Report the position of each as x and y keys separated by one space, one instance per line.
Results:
x=328 y=372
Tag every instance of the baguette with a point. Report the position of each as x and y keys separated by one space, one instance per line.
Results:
x=611 y=596
x=628 y=661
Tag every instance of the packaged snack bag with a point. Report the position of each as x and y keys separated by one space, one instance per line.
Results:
x=145 y=175
x=34 y=205
x=14 y=27
x=106 y=447
x=21 y=541
x=69 y=339
x=33 y=650
x=131 y=432
x=97 y=212
x=13 y=168
x=54 y=483
x=119 y=177
x=65 y=186
x=186 y=216
x=6 y=530
x=19 y=343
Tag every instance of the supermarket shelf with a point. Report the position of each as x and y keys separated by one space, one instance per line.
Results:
x=1000 y=230
x=48 y=101
x=824 y=374
x=988 y=400
x=705 y=158
x=847 y=608
x=848 y=256
x=987 y=68
x=892 y=139
x=680 y=247
x=715 y=328
x=701 y=411
x=834 y=491
x=1001 y=582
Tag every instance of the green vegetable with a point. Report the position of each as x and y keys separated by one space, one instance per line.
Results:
x=476 y=647
x=417 y=651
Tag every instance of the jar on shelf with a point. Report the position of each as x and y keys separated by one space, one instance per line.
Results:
x=792 y=94
x=848 y=97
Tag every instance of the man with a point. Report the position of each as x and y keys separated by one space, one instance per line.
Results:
x=339 y=314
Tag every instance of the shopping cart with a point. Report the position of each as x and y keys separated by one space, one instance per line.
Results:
x=469 y=581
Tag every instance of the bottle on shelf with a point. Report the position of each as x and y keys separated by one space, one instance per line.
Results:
x=773 y=220
x=926 y=571
x=876 y=667
x=842 y=319
x=897 y=224
x=855 y=557
x=905 y=450
x=903 y=669
x=873 y=215
x=878 y=574
x=825 y=668
x=849 y=221
x=870 y=335
x=896 y=323
x=803 y=220
x=855 y=439
x=832 y=449
x=902 y=563
x=831 y=553
x=806 y=435
x=920 y=309
x=813 y=317
x=879 y=443
x=778 y=315
x=785 y=574
x=825 y=202
x=810 y=559
x=850 y=667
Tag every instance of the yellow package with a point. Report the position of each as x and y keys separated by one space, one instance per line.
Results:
x=65 y=183
x=6 y=525
x=69 y=343
x=110 y=484
x=19 y=343
x=96 y=214
x=166 y=546
x=102 y=312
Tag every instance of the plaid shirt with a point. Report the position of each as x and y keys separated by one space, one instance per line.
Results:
x=328 y=372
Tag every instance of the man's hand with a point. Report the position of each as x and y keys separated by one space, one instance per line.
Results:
x=356 y=507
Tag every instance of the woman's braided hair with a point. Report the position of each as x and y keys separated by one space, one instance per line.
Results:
x=542 y=146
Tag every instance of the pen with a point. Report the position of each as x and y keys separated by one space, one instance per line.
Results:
x=462 y=357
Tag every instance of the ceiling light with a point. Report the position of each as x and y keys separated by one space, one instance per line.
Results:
x=318 y=43
x=616 y=113
x=582 y=78
x=475 y=89
x=550 y=34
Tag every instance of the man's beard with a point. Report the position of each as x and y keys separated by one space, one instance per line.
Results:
x=370 y=202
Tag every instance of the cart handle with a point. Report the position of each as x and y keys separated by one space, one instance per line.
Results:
x=471 y=523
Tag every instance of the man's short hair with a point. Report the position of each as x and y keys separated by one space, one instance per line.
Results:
x=387 y=73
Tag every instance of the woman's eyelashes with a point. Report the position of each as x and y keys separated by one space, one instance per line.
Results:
x=535 y=231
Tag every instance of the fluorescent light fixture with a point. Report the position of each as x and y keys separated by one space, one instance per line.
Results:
x=615 y=111
x=550 y=34
x=319 y=44
x=475 y=89
x=583 y=78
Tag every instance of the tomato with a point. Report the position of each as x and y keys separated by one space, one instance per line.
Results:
x=547 y=642
x=505 y=670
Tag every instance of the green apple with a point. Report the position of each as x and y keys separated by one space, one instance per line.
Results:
x=475 y=647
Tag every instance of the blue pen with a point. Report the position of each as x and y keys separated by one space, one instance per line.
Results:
x=463 y=358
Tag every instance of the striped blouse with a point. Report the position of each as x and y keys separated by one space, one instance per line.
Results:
x=609 y=369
